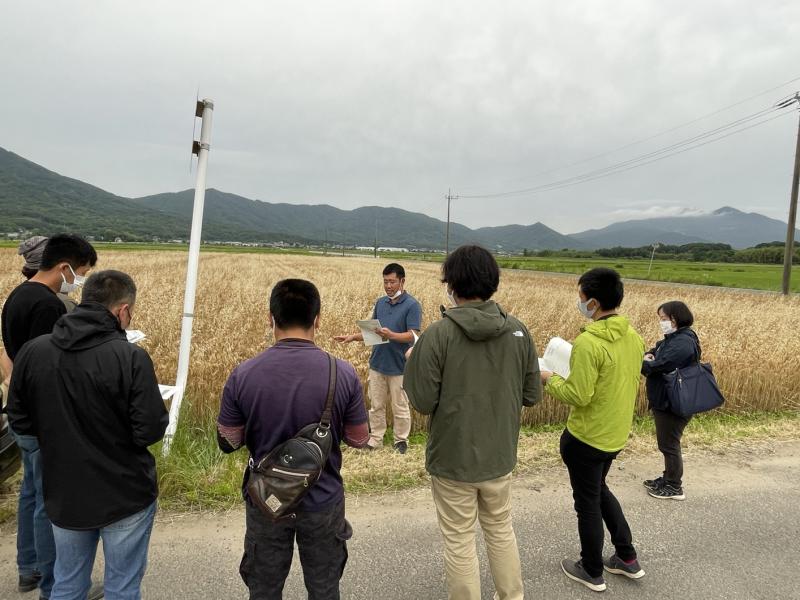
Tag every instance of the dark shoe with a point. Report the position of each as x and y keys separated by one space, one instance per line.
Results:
x=401 y=447
x=653 y=484
x=576 y=572
x=668 y=492
x=28 y=583
x=614 y=564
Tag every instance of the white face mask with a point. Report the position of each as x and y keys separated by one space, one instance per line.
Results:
x=397 y=294
x=68 y=288
x=583 y=308
x=667 y=327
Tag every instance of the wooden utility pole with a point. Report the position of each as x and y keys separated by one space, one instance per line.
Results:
x=788 y=253
x=447 y=231
x=375 y=248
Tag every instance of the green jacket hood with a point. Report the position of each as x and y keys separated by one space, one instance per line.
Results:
x=479 y=321
x=610 y=329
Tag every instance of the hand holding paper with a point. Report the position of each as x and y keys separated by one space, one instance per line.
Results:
x=368 y=329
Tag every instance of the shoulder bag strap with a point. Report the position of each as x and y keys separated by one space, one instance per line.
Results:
x=325 y=422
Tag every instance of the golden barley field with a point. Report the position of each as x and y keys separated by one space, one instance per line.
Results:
x=751 y=338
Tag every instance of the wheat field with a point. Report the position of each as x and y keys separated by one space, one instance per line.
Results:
x=751 y=338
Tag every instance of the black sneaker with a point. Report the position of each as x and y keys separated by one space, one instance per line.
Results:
x=668 y=492
x=653 y=484
x=401 y=447
x=576 y=572
x=614 y=564
x=28 y=583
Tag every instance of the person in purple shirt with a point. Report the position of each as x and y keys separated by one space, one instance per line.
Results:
x=266 y=401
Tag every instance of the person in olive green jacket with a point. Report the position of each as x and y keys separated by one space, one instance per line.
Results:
x=472 y=372
x=601 y=392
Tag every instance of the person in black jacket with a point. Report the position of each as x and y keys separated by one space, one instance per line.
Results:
x=679 y=348
x=92 y=399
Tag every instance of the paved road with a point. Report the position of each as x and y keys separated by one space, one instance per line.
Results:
x=736 y=536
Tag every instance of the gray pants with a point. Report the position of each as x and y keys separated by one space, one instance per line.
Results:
x=669 y=431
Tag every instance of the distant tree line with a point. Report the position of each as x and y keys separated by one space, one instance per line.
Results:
x=767 y=253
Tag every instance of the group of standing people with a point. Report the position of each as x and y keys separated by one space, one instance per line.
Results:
x=471 y=372
x=84 y=405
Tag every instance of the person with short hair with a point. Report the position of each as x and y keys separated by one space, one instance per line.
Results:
x=472 y=372
x=601 y=392
x=31 y=310
x=31 y=250
x=400 y=316
x=91 y=398
x=266 y=401
x=679 y=349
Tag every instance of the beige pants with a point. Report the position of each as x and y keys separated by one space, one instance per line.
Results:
x=385 y=389
x=458 y=506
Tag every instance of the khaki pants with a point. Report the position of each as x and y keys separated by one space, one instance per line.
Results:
x=458 y=506
x=384 y=389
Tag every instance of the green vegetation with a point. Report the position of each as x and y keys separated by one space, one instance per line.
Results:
x=752 y=276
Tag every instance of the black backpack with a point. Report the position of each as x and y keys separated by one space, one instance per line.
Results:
x=277 y=483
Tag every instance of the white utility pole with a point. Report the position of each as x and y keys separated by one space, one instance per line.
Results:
x=204 y=109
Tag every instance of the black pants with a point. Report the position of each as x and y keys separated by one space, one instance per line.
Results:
x=595 y=503
x=268 y=547
x=669 y=431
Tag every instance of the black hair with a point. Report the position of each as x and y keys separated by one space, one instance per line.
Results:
x=294 y=303
x=396 y=269
x=471 y=272
x=27 y=272
x=679 y=312
x=604 y=285
x=69 y=248
x=109 y=288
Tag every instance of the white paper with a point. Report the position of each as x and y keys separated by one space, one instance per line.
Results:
x=167 y=391
x=368 y=327
x=556 y=357
x=135 y=335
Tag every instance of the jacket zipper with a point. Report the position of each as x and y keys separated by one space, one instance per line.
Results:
x=305 y=477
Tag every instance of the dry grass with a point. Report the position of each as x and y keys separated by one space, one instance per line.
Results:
x=752 y=339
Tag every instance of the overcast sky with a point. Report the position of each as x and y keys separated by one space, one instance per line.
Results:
x=364 y=103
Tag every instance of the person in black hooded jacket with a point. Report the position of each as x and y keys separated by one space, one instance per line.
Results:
x=679 y=348
x=92 y=399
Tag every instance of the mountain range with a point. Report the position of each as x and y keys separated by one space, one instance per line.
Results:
x=37 y=200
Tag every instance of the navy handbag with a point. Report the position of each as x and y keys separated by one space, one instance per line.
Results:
x=692 y=389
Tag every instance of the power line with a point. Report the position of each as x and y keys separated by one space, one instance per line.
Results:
x=666 y=131
x=641 y=160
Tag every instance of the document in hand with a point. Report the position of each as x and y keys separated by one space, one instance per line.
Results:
x=135 y=335
x=368 y=327
x=556 y=357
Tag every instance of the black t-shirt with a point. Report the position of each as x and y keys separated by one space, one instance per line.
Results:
x=31 y=310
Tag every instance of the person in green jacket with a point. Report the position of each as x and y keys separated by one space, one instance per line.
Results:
x=472 y=372
x=601 y=392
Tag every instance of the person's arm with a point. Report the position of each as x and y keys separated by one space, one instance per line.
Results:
x=578 y=389
x=6 y=365
x=18 y=408
x=672 y=356
x=422 y=379
x=356 y=422
x=413 y=326
x=146 y=411
x=346 y=339
x=231 y=421
x=532 y=388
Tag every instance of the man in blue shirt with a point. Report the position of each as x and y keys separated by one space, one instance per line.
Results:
x=400 y=316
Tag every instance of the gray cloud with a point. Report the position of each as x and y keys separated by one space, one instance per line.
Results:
x=359 y=103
